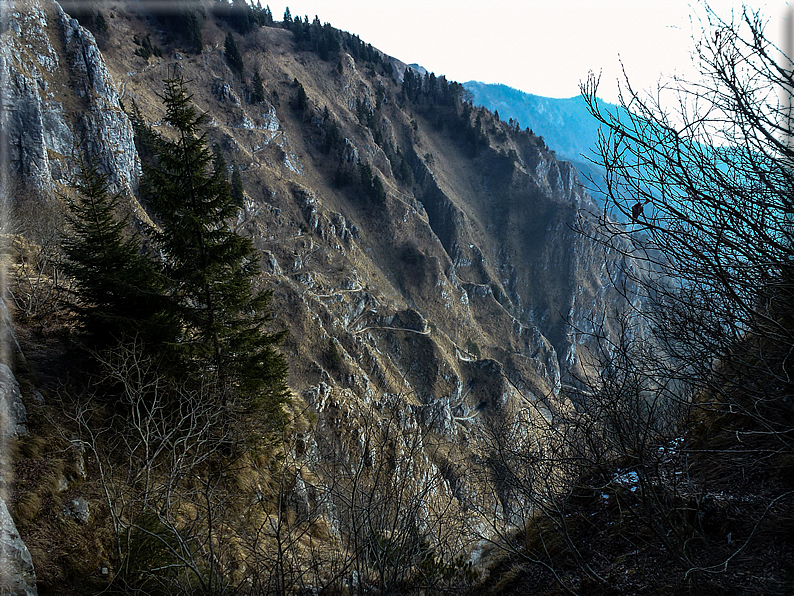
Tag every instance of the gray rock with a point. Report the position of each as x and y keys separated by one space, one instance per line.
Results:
x=109 y=129
x=23 y=122
x=78 y=510
x=270 y=264
x=38 y=398
x=8 y=335
x=13 y=415
x=41 y=134
x=224 y=92
x=436 y=417
x=18 y=577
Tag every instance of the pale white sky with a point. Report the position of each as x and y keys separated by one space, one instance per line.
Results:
x=543 y=47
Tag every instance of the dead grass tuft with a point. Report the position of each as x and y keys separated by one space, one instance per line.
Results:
x=27 y=508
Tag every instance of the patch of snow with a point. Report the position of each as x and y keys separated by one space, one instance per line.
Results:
x=630 y=479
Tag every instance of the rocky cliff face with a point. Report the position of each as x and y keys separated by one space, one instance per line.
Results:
x=57 y=93
x=17 y=573
x=449 y=298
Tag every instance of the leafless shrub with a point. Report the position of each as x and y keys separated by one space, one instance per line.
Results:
x=157 y=459
x=400 y=525
x=718 y=183
x=700 y=366
x=36 y=225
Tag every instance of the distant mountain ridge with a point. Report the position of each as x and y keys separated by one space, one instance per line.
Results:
x=565 y=124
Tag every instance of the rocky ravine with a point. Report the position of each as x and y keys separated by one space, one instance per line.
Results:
x=450 y=300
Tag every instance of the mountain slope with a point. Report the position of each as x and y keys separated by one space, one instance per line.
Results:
x=565 y=124
x=421 y=252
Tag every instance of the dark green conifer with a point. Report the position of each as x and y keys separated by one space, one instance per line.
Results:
x=232 y=53
x=301 y=99
x=145 y=137
x=334 y=141
x=117 y=289
x=100 y=23
x=211 y=267
x=192 y=29
x=365 y=177
x=378 y=190
x=222 y=9
x=257 y=89
x=404 y=172
x=241 y=17
x=371 y=184
x=184 y=18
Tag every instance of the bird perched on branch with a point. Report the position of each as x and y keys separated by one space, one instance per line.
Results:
x=637 y=209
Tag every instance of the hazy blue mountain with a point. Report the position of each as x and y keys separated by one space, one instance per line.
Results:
x=565 y=124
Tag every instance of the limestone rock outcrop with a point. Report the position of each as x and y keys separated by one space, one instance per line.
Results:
x=42 y=52
x=17 y=576
x=13 y=414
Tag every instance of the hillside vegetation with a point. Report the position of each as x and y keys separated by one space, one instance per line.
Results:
x=355 y=334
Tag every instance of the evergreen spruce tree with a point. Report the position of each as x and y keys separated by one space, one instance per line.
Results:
x=185 y=18
x=222 y=9
x=241 y=17
x=232 y=53
x=193 y=31
x=118 y=290
x=301 y=99
x=258 y=89
x=211 y=268
x=100 y=23
x=378 y=190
